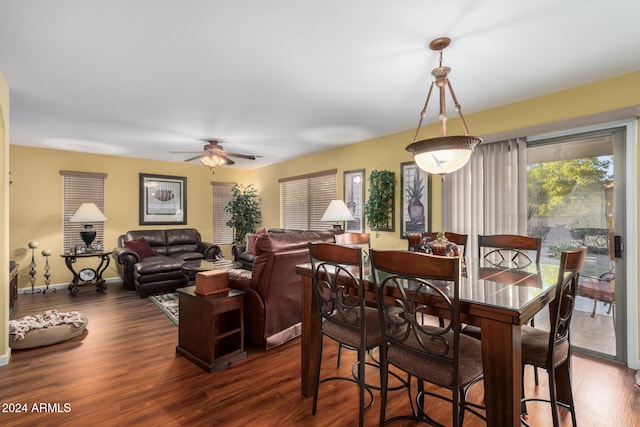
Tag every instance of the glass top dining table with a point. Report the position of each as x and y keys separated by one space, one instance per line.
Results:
x=498 y=299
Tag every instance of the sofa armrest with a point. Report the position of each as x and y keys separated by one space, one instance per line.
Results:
x=123 y=255
x=210 y=250
x=238 y=250
x=126 y=260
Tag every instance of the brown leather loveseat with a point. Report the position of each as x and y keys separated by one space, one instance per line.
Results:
x=150 y=261
x=272 y=314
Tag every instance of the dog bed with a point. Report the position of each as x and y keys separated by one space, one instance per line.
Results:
x=47 y=328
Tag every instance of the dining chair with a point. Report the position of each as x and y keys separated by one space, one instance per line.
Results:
x=427 y=351
x=509 y=249
x=506 y=250
x=551 y=349
x=352 y=238
x=344 y=317
x=361 y=240
x=601 y=288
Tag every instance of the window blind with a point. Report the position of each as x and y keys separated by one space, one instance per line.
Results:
x=303 y=200
x=79 y=188
x=221 y=196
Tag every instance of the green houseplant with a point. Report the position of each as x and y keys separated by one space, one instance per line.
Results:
x=244 y=208
x=379 y=208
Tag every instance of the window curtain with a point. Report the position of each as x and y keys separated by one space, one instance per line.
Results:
x=489 y=194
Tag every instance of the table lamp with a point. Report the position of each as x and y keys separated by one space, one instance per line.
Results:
x=88 y=212
x=337 y=211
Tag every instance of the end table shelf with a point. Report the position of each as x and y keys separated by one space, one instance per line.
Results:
x=211 y=329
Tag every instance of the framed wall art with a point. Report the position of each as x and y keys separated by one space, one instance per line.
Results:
x=163 y=200
x=354 y=199
x=415 y=203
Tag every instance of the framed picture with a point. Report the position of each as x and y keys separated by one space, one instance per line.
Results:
x=354 y=199
x=163 y=199
x=415 y=203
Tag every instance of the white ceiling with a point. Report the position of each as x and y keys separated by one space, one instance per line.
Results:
x=282 y=78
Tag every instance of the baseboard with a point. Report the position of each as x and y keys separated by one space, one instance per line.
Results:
x=39 y=289
x=4 y=359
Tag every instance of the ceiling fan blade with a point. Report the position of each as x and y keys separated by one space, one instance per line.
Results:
x=241 y=156
x=195 y=157
x=184 y=152
x=228 y=160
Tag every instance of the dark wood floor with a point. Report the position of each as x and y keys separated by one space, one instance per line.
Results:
x=125 y=372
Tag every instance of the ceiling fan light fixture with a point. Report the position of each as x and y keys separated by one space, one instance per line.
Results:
x=213 y=160
x=443 y=154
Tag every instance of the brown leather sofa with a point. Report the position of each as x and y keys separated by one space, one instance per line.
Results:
x=272 y=314
x=162 y=270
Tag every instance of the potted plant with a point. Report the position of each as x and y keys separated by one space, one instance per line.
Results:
x=244 y=208
x=379 y=208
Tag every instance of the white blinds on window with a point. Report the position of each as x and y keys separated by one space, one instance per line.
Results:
x=303 y=200
x=79 y=188
x=489 y=194
x=221 y=195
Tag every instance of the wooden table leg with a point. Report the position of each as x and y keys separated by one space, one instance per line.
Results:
x=502 y=365
x=563 y=387
x=310 y=337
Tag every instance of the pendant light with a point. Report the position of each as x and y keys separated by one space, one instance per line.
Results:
x=443 y=154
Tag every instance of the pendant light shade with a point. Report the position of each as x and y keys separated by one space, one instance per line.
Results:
x=443 y=154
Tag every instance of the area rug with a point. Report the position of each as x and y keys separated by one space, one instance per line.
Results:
x=169 y=304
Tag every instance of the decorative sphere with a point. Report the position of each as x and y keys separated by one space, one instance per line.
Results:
x=46 y=252
x=32 y=244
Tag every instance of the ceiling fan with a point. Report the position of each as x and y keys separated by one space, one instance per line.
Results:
x=213 y=155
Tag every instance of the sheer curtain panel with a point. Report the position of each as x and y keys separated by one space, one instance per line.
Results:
x=489 y=194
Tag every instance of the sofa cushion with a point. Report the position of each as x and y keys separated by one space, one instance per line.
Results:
x=158 y=264
x=154 y=237
x=247 y=257
x=141 y=247
x=187 y=256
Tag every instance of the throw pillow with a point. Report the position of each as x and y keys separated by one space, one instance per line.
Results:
x=248 y=242
x=254 y=237
x=141 y=247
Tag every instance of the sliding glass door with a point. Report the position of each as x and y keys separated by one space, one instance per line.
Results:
x=575 y=185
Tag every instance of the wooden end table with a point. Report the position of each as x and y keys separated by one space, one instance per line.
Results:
x=211 y=329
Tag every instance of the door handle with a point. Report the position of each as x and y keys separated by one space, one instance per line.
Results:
x=617 y=246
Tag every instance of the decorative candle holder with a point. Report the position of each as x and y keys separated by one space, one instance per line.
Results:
x=32 y=268
x=46 y=253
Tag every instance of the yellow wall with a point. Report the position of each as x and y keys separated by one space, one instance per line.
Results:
x=36 y=202
x=4 y=220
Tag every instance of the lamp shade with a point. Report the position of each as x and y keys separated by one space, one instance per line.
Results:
x=88 y=212
x=337 y=211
